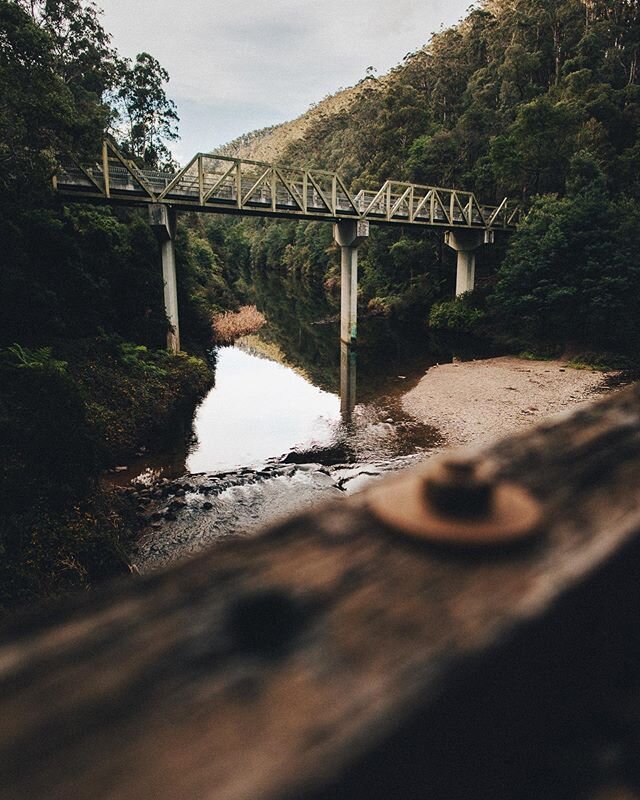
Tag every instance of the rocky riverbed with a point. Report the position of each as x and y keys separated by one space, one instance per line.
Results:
x=184 y=516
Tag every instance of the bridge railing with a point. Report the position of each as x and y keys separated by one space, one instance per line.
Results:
x=339 y=657
x=223 y=184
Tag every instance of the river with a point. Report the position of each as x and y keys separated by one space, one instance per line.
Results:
x=273 y=437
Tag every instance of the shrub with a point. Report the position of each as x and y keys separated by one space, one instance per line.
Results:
x=61 y=422
x=135 y=396
x=48 y=449
x=46 y=553
x=457 y=316
x=232 y=325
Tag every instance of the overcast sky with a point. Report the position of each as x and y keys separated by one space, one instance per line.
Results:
x=237 y=65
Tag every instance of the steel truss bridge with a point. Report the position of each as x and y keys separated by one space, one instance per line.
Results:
x=224 y=185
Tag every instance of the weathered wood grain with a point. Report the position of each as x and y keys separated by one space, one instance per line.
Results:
x=330 y=657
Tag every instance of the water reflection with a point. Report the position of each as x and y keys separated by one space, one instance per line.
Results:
x=259 y=409
x=304 y=323
x=298 y=393
x=348 y=381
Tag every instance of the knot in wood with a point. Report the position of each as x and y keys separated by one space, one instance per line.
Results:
x=265 y=623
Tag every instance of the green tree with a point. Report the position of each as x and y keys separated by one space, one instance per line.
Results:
x=80 y=47
x=619 y=20
x=533 y=156
x=146 y=120
x=81 y=55
x=36 y=108
x=571 y=274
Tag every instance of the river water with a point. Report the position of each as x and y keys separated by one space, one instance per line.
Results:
x=273 y=437
x=261 y=409
x=258 y=410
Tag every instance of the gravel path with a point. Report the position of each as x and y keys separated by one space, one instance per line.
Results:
x=474 y=401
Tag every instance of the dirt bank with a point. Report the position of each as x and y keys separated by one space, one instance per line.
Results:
x=474 y=401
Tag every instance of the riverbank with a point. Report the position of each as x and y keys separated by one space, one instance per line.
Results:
x=455 y=404
x=66 y=414
x=475 y=401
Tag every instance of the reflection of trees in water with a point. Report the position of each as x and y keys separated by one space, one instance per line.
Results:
x=297 y=310
x=304 y=323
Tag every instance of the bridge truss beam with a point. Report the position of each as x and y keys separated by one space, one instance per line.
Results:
x=224 y=185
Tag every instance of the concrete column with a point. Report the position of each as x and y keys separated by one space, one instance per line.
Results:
x=162 y=219
x=465 y=243
x=348 y=234
x=349 y=294
x=465 y=271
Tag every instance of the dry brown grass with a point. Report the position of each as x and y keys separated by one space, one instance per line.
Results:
x=232 y=325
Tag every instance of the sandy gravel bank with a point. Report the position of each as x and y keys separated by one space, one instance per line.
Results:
x=473 y=401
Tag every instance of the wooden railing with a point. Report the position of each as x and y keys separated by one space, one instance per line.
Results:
x=333 y=656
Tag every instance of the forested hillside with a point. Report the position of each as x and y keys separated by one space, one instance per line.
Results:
x=537 y=100
x=270 y=144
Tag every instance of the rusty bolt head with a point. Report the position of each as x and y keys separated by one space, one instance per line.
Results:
x=460 y=487
x=457 y=501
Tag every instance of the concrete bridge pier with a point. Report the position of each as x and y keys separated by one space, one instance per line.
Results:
x=349 y=234
x=162 y=219
x=465 y=243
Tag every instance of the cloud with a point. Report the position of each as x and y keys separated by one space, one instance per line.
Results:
x=260 y=62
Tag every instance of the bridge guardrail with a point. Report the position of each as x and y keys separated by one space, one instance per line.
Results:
x=221 y=184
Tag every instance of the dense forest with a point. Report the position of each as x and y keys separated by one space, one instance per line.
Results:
x=538 y=100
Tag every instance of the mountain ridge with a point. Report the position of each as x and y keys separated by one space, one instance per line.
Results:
x=270 y=143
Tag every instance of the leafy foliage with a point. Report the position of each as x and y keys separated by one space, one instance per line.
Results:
x=571 y=274
x=457 y=316
x=82 y=383
x=36 y=389
x=46 y=553
x=36 y=107
x=146 y=117
x=67 y=413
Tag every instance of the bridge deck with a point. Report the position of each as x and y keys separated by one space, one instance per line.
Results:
x=224 y=185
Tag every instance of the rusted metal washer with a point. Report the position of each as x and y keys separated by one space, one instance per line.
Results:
x=456 y=500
